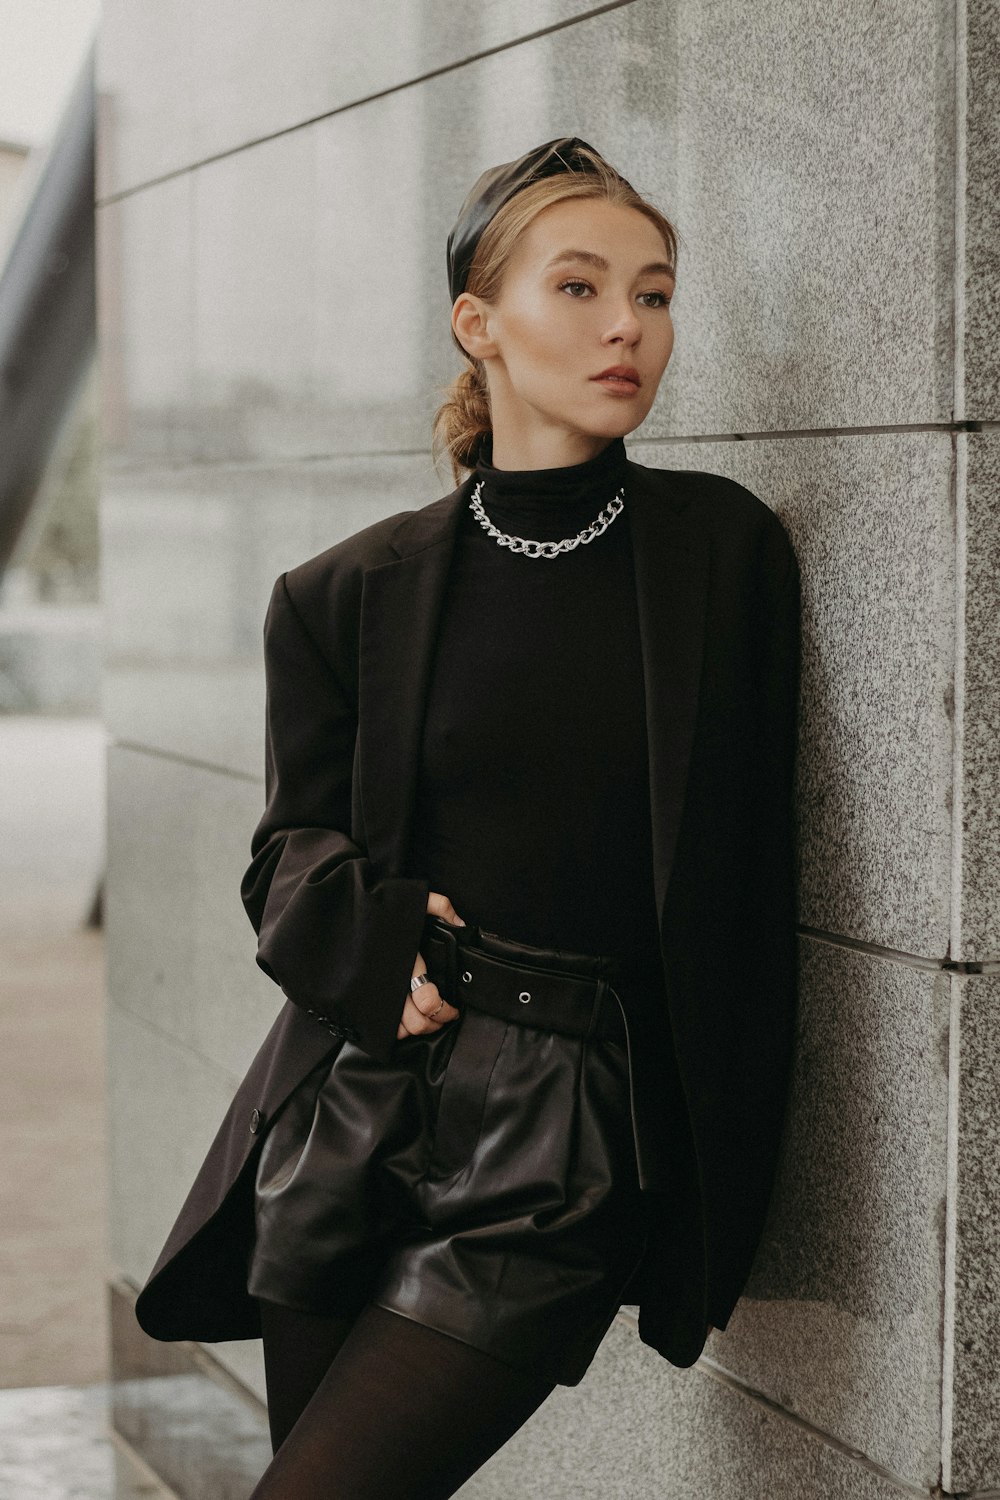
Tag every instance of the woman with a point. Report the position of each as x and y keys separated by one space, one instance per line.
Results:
x=543 y=794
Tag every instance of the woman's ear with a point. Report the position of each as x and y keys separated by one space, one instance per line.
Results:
x=470 y=323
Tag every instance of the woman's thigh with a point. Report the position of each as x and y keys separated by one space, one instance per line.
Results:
x=299 y=1348
x=400 y=1411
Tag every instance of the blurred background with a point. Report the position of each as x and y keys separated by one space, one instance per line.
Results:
x=223 y=330
x=54 y=1369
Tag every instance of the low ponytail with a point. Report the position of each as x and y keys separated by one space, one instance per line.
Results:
x=464 y=420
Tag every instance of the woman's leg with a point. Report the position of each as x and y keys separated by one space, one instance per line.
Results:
x=402 y=1412
x=298 y=1350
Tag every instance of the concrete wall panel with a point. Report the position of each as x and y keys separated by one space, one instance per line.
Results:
x=636 y=1426
x=871 y=519
x=191 y=557
x=972 y=1420
x=979 y=788
x=181 y=82
x=814 y=286
x=181 y=948
x=840 y=1321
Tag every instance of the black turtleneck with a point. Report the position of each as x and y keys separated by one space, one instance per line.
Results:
x=532 y=808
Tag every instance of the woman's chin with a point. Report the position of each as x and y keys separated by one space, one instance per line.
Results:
x=614 y=413
x=615 y=423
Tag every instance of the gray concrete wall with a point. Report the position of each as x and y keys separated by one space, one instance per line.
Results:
x=273 y=205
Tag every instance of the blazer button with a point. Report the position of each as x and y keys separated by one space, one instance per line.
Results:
x=255 y=1119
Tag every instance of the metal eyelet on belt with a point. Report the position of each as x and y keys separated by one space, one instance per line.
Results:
x=524 y=997
x=466 y=977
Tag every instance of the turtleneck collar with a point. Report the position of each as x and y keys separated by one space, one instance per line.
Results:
x=556 y=496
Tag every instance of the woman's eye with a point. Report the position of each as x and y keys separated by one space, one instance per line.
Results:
x=566 y=285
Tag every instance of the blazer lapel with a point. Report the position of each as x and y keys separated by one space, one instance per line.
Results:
x=671 y=559
x=400 y=608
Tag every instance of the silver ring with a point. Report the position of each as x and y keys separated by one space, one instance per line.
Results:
x=418 y=980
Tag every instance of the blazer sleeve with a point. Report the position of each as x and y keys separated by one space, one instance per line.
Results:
x=338 y=937
x=775 y=768
x=761 y=1043
x=771 y=940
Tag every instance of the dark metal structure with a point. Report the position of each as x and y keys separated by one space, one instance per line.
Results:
x=47 y=308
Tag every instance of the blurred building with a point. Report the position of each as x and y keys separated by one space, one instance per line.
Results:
x=274 y=192
x=50 y=617
x=13 y=155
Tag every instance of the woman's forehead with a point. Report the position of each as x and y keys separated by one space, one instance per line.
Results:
x=590 y=231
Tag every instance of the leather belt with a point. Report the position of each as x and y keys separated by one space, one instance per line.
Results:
x=551 y=988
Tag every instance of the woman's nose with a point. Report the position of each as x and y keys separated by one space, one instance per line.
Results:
x=625 y=326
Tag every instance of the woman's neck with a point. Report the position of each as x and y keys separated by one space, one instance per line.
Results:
x=560 y=496
x=548 y=450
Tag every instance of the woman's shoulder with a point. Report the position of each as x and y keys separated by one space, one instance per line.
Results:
x=362 y=549
x=328 y=586
x=738 y=519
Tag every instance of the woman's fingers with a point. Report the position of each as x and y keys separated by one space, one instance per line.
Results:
x=416 y=1018
x=417 y=1022
x=440 y=906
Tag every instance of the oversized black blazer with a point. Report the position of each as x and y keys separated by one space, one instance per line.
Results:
x=349 y=638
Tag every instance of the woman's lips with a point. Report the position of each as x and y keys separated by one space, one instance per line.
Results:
x=617 y=383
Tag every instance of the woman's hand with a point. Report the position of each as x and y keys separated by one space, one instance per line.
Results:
x=416 y=1018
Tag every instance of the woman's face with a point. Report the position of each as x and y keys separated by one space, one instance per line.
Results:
x=587 y=288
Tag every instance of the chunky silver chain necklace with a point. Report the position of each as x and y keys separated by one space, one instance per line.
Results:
x=547 y=549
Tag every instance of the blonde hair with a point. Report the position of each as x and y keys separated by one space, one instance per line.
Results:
x=464 y=421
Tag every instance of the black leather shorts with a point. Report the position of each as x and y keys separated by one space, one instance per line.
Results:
x=483 y=1182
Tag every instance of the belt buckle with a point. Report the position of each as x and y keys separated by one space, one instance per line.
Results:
x=453 y=937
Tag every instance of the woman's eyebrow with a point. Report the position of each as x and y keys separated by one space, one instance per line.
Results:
x=655 y=267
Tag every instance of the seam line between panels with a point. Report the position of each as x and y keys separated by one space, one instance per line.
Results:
x=177 y=757
x=339 y=109
x=674 y=439
x=959 y=481
x=717 y=1372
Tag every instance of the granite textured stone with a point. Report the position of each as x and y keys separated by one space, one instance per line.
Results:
x=189 y=559
x=849 y=1273
x=183 y=82
x=180 y=947
x=637 y=1427
x=815 y=279
x=870 y=517
x=815 y=276
x=165 y=1103
x=191 y=555
x=980 y=769
x=978 y=379
x=972 y=1460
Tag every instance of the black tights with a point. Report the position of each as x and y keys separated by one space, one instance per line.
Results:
x=378 y=1407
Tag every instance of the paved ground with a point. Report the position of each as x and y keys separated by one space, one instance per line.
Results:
x=56 y=1444
x=54 y=1438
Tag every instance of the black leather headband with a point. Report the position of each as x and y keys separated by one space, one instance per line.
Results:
x=494 y=187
